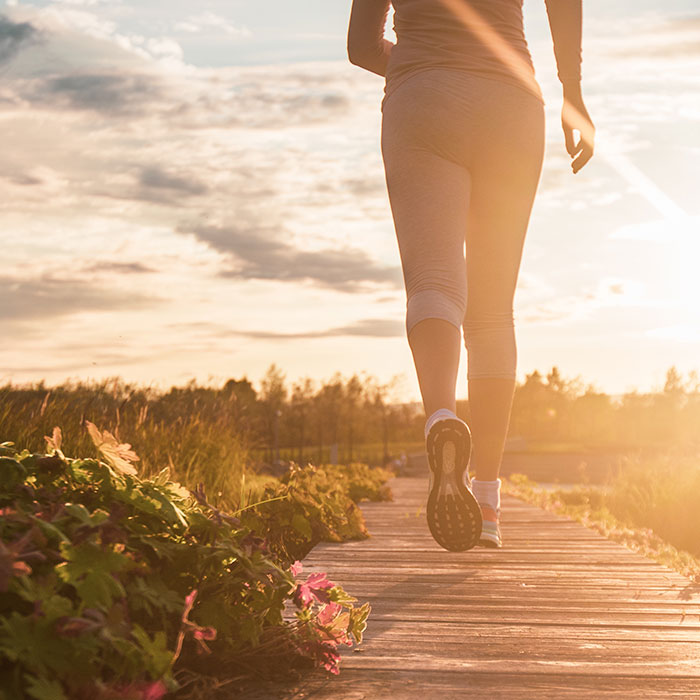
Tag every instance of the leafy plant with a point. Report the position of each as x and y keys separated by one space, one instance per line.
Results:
x=313 y=504
x=112 y=586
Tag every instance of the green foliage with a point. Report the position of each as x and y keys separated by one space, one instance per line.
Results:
x=552 y=409
x=313 y=504
x=112 y=586
x=214 y=435
x=201 y=435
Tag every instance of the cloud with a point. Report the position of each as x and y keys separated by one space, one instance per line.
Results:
x=109 y=93
x=13 y=37
x=260 y=254
x=130 y=268
x=269 y=108
x=374 y=327
x=608 y=293
x=83 y=3
x=195 y=24
x=366 y=328
x=671 y=38
x=45 y=298
x=22 y=178
x=156 y=178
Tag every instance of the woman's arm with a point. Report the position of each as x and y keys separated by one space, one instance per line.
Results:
x=367 y=46
x=565 y=24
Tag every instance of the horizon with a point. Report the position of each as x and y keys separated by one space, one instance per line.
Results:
x=199 y=194
x=395 y=392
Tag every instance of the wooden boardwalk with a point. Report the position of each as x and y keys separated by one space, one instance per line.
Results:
x=560 y=612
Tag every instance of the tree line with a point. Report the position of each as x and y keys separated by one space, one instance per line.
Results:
x=343 y=419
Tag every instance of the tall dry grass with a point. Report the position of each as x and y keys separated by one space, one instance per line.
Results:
x=199 y=434
x=662 y=494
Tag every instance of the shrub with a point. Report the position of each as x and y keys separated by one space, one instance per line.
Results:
x=315 y=504
x=113 y=586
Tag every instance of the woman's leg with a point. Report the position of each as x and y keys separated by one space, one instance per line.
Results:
x=429 y=198
x=506 y=171
x=429 y=193
x=490 y=402
x=436 y=345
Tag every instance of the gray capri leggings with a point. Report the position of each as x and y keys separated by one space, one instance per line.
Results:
x=463 y=156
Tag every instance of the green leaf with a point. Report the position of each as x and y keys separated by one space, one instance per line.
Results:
x=79 y=512
x=33 y=644
x=302 y=525
x=49 y=530
x=89 y=569
x=12 y=472
x=156 y=595
x=358 y=621
x=157 y=656
x=339 y=595
x=42 y=688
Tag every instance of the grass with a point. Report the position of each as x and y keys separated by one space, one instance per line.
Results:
x=652 y=506
x=200 y=438
x=367 y=453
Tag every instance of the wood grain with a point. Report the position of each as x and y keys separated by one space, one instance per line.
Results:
x=559 y=612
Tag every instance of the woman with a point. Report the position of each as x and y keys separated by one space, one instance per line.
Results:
x=462 y=142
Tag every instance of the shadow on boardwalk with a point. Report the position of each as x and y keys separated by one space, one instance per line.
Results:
x=560 y=612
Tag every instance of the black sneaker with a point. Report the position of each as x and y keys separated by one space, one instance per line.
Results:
x=454 y=516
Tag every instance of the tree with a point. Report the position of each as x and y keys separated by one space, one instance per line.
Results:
x=379 y=403
x=273 y=395
x=353 y=395
x=301 y=404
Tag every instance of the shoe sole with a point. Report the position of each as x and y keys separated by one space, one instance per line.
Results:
x=454 y=516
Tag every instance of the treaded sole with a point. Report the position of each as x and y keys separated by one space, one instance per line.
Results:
x=454 y=516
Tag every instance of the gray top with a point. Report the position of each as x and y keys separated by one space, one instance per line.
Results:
x=484 y=37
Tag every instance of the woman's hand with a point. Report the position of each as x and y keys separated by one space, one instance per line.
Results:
x=575 y=118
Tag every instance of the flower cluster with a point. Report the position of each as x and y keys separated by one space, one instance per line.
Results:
x=328 y=618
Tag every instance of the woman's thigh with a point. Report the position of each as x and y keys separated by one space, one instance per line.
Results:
x=428 y=191
x=429 y=199
x=462 y=156
x=505 y=172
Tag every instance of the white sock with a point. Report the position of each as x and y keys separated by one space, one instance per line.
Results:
x=487 y=493
x=440 y=414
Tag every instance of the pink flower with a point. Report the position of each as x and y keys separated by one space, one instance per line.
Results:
x=140 y=690
x=335 y=624
x=330 y=659
x=315 y=588
x=328 y=613
x=154 y=691
x=205 y=633
x=296 y=568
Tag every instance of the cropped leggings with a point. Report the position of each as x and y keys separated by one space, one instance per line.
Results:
x=462 y=156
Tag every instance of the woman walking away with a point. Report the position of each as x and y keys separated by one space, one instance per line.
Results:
x=462 y=142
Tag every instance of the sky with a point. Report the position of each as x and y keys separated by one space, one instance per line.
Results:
x=195 y=191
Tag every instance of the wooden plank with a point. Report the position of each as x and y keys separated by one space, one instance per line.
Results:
x=551 y=663
x=446 y=630
x=559 y=612
x=395 y=684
